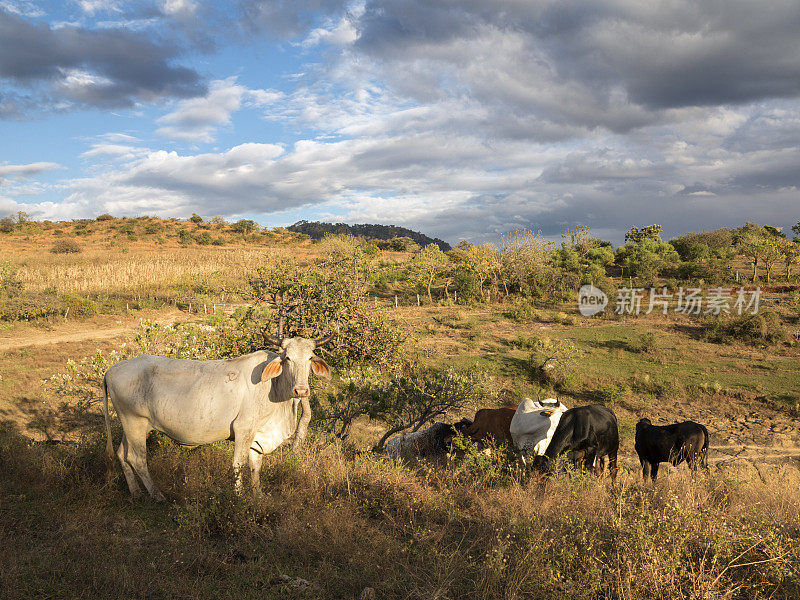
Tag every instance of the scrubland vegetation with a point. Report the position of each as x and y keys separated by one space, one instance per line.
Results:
x=491 y=326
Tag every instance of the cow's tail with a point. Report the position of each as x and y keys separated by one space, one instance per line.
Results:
x=109 y=442
x=704 y=451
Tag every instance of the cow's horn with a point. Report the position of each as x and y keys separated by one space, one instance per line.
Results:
x=323 y=340
x=271 y=339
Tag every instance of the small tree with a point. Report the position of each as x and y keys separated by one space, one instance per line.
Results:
x=195 y=218
x=645 y=255
x=427 y=265
x=790 y=252
x=751 y=240
x=410 y=401
x=6 y=225
x=245 y=226
x=525 y=260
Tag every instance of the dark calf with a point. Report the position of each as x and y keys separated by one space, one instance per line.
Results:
x=492 y=425
x=586 y=434
x=671 y=443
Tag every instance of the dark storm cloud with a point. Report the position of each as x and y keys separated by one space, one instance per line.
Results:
x=106 y=67
x=605 y=55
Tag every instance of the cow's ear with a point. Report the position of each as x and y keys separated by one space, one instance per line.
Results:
x=546 y=413
x=273 y=369
x=320 y=368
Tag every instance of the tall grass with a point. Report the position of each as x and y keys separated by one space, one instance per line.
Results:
x=138 y=271
x=347 y=522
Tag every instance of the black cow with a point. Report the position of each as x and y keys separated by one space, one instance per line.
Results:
x=586 y=434
x=671 y=443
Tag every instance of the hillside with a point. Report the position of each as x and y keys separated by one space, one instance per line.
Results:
x=317 y=230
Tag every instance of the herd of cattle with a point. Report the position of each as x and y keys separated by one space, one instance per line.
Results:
x=542 y=431
x=254 y=400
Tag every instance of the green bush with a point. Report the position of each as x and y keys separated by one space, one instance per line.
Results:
x=30 y=307
x=10 y=283
x=65 y=247
x=764 y=327
x=105 y=217
x=79 y=306
x=523 y=311
x=643 y=343
x=6 y=225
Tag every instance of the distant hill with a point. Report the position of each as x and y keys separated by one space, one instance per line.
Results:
x=317 y=230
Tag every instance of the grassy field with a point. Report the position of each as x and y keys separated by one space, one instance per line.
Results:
x=335 y=520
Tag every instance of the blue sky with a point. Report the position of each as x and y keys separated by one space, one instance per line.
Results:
x=463 y=119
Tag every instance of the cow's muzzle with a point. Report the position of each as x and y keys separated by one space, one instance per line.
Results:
x=300 y=392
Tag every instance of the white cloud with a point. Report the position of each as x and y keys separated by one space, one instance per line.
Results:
x=27 y=170
x=197 y=119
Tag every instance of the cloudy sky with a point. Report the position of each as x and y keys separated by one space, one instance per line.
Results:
x=463 y=119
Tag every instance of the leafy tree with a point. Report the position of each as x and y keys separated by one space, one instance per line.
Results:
x=796 y=229
x=646 y=255
x=195 y=218
x=525 y=260
x=582 y=255
x=219 y=221
x=757 y=243
x=403 y=401
x=637 y=236
x=789 y=251
x=427 y=265
x=326 y=296
x=706 y=255
x=105 y=217
x=245 y=226
x=6 y=225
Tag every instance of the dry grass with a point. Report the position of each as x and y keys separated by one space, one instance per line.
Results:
x=422 y=531
x=139 y=271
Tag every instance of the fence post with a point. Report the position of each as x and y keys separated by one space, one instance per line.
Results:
x=417 y=299
x=395 y=301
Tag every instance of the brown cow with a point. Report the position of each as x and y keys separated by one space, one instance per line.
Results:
x=492 y=425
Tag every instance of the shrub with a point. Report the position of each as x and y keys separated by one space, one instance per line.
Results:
x=105 y=217
x=764 y=327
x=646 y=342
x=195 y=218
x=65 y=247
x=185 y=237
x=523 y=311
x=6 y=225
x=29 y=307
x=79 y=306
x=204 y=238
x=245 y=226
x=10 y=283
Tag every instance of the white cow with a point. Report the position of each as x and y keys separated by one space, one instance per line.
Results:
x=534 y=424
x=252 y=399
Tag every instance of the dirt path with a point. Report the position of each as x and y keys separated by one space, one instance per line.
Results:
x=99 y=328
x=53 y=337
